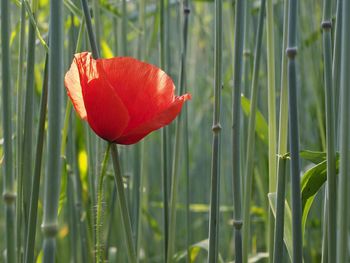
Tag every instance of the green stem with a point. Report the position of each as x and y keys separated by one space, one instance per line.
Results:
x=118 y=179
x=236 y=120
x=53 y=173
x=294 y=133
x=215 y=166
x=164 y=139
x=125 y=29
x=343 y=193
x=330 y=130
x=99 y=252
x=92 y=38
x=251 y=136
x=26 y=178
x=279 y=222
x=19 y=134
x=33 y=206
x=9 y=194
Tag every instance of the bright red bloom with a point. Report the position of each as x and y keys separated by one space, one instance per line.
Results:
x=122 y=99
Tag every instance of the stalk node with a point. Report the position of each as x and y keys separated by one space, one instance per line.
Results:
x=216 y=128
x=9 y=197
x=327 y=24
x=187 y=10
x=247 y=53
x=49 y=229
x=291 y=52
x=237 y=223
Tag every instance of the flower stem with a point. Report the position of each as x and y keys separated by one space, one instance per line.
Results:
x=118 y=179
x=99 y=253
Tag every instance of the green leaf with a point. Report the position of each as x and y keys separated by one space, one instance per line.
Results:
x=261 y=127
x=194 y=251
x=312 y=156
x=287 y=231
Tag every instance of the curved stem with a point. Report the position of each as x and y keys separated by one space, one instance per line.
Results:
x=99 y=253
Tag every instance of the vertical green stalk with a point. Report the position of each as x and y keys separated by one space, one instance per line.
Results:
x=271 y=113
x=215 y=166
x=164 y=139
x=99 y=252
x=92 y=38
x=283 y=116
x=9 y=194
x=236 y=120
x=19 y=133
x=336 y=63
x=53 y=173
x=251 y=136
x=330 y=130
x=34 y=197
x=125 y=29
x=343 y=195
x=177 y=144
x=294 y=133
x=97 y=22
x=26 y=179
x=186 y=13
x=324 y=258
x=279 y=222
x=123 y=205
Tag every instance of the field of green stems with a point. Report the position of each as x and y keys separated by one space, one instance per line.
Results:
x=246 y=161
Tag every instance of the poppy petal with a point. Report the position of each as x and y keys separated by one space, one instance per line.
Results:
x=74 y=89
x=162 y=119
x=144 y=88
x=106 y=113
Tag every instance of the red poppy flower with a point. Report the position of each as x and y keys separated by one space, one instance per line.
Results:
x=122 y=99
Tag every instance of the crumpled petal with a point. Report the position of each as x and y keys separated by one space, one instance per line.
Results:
x=74 y=89
x=162 y=119
x=144 y=88
x=106 y=113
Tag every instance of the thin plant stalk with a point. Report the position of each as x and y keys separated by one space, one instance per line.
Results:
x=283 y=115
x=26 y=179
x=271 y=113
x=126 y=221
x=324 y=257
x=164 y=138
x=330 y=129
x=19 y=133
x=97 y=22
x=236 y=120
x=215 y=165
x=177 y=148
x=343 y=195
x=53 y=172
x=9 y=194
x=280 y=201
x=186 y=13
x=336 y=66
x=294 y=133
x=91 y=34
x=251 y=136
x=99 y=252
x=33 y=205
x=124 y=28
